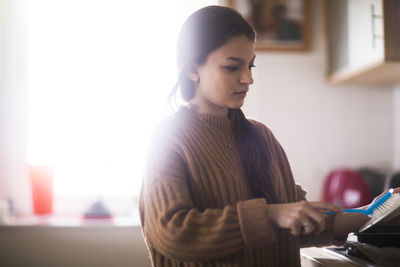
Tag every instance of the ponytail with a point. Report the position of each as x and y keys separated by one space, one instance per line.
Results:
x=255 y=157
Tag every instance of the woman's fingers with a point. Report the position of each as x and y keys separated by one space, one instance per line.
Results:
x=301 y=218
x=322 y=206
x=295 y=228
x=313 y=211
x=307 y=227
x=397 y=190
x=318 y=218
x=304 y=224
x=306 y=219
x=311 y=214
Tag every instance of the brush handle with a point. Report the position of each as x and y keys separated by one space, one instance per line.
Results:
x=348 y=211
x=371 y=208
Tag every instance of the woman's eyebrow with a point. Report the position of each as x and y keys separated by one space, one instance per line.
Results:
x=239 y=59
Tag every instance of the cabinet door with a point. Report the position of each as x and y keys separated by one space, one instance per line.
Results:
x=365 y=32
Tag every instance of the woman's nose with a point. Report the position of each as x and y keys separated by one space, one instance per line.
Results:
x=247 y=77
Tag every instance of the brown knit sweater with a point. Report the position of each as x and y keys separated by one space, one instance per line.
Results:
x=196 y=206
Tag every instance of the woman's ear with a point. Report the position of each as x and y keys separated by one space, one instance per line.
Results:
x=193 y=75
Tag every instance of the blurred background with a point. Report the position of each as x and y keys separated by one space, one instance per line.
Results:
x=84 y=82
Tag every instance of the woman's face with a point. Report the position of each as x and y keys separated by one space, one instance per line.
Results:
x=224 y=79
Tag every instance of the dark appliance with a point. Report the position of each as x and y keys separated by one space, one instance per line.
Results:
x=378 y=245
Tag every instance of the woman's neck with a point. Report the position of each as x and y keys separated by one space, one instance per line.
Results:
x=209 y=108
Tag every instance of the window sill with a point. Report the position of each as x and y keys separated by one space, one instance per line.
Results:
x=52 y=221
x=57 y=241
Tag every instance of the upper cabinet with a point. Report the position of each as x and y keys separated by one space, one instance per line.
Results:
x=363 y=41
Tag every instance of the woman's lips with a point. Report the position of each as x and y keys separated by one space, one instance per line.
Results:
x=241 y=94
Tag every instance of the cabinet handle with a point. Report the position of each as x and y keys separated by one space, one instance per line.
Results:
x=373 y=18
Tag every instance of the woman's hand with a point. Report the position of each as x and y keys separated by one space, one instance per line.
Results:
x=301 y=217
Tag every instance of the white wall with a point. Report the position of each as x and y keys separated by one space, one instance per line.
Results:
x=13 y=104
x=1 y=102
x=396 y=127
x=321 y=126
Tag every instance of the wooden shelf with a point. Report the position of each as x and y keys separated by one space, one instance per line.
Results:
x=378 y=73
x=363 y=39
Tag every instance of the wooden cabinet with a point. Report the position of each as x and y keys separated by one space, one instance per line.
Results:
x=363 y=41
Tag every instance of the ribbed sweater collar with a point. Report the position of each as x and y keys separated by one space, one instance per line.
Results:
x=217 y=122
x=223 y=124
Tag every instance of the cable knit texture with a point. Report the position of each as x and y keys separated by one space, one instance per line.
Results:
x=196 y=206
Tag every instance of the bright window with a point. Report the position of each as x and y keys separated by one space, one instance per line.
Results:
x=98 y=73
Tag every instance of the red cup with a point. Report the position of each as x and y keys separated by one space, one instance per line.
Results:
x=42 y=189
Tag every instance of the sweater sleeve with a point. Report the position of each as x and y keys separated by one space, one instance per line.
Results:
x=177 y=229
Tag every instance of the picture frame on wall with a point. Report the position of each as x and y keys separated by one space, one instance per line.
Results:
x=280 y=24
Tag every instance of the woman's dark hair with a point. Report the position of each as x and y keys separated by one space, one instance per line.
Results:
x=204 y=31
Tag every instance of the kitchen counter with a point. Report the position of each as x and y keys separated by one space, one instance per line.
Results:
x=311 y=257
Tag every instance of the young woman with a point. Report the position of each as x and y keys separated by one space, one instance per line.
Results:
x=218 y=189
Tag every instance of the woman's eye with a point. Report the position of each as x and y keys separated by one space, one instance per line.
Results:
x=252 y=66
x=232 y=68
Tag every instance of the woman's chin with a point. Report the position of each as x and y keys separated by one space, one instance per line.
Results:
x=237 y=105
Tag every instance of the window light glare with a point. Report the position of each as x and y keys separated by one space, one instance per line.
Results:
x=98 y=76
